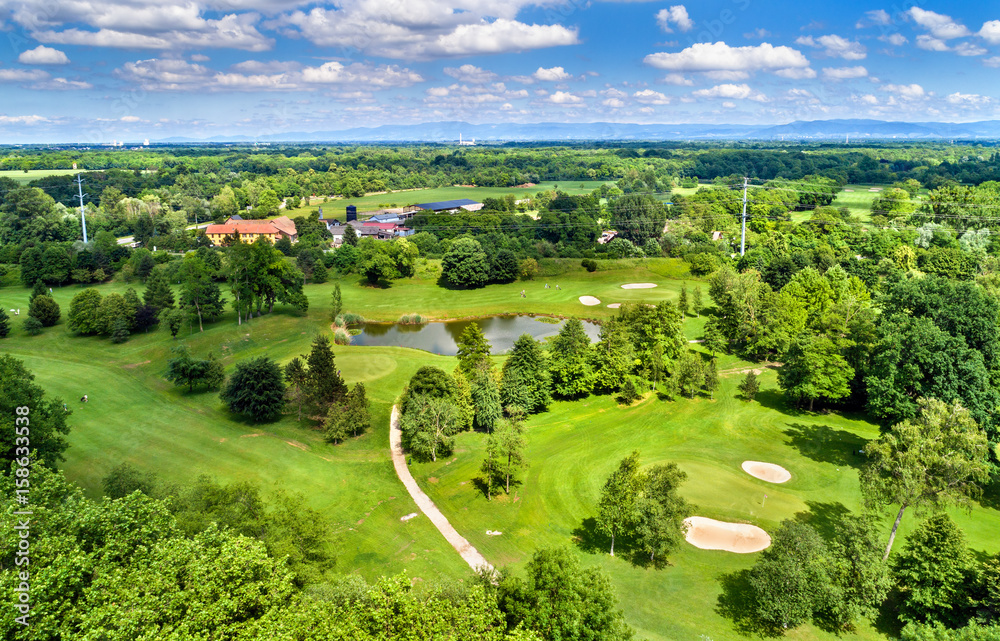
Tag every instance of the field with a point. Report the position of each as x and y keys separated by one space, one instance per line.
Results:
x=25 y=177
x=337 y=208
x=135 y=415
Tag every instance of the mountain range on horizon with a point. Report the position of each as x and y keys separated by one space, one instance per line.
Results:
x=450 y=131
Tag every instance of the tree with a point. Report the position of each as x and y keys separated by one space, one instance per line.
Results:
x=506 y=447
x=560 y=600
x=616 y=508
x=4 y=323
x=814 y=368
x=485 y=399
x=570 y=362
x=429 y=425
x=660 y=510
x=38 y=289
x=142 y=262
x=682 y=301
x=174 y=319
x=350 y=236
x=113 y=308
x=46 y=418
x=338 y=303
x=689 y=374
x=714 y=340
x=504 y=268
x=57 y=265
x=696 y=301
x=428 y=381
x=376 y=263
x=124 y=479
x=297 y=377
x=791 y=580
x=256 y=389
x=749 y=386
x=638 y=217
x=119 y=330
x=185 y=370
x=524 y=380
x=711 y=378
x=353 y=417
x=145 y=317
x=528 y=269
x=32 y=266
x=199 y=293
x=324 y=386
x=158 y=294
x=32 y=326
x=465 y=265
x=934 y=573
x=473 y=349
x=614 y=357
x=858 y=570
x=933 y=460
x=45 y=310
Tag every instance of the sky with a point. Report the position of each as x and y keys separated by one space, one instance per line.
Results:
x=92 y=71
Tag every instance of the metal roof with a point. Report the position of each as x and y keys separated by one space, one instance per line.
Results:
x=447 y=204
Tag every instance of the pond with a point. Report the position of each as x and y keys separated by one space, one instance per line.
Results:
x=439 y=338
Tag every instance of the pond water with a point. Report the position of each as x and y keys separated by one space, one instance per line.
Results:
x=439 y=338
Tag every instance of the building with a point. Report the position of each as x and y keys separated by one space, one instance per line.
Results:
x=251 y=230
x=451 y=205
x=607 y=236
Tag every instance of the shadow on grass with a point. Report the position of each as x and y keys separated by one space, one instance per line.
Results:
x=826 y=444
x=991 y=494
x=589 y=538
x=773 y=399
x=887 y=622
x=738 y=604
x=824 y=517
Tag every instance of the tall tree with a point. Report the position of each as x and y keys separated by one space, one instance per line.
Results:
x=614 y=357
x=689 y=374
x=256 y=389
x=509 y=447
x=711 y=378
x=569 y=361
x=473 y=349
x=338 y=303
x=429 y=425
x=525 y=380
x=485 y=399
x=4 y=323
x=45 y=310
x=616 y=509
x=158 y=294
x=858 y=570
x=465 y=265
x=682 y=301
x=661 y=510
x=696 y=301
x=199 y=293
x=324 y=385
x=41 y=416
x=352 y=417
x=814 y=369
x=749 y=386
x=936 y=459
x=297 y=377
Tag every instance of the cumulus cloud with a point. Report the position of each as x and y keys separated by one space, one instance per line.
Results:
x=614 y=103
x=835 y=46
x=731 y=91
x=969 y=49
x=990 y=32
x=993 y=61
x=676 y=15
x=22 y=75
x=757 y=34
x=908 y=92
x=564 y=98
x=231 y=31
x=967 y=99
x=726 y=76
x=930 y=43
x=719 y=56
x=878 y=17
x=896 y=39
x=845 y=73
x=677 y=79
x=23 y=120
x=554 y=74
x=470 y=73
x=650 y=97
x=42 y=55
x=940 y=25
x=867 y=99
x=794 y=73
x=438 y=92
x=61 y=84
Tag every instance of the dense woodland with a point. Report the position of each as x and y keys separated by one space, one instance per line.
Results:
x=894 y=314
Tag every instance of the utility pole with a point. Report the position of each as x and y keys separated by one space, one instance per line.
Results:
x=83 y=215
x=743 y=234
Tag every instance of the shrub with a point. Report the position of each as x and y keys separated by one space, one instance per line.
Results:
x=32 y=326
x=341 y=336
x=349 y=318
x=411 y=319
x=589 y=264
x=45 y=309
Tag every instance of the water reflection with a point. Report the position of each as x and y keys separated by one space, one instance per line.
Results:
x=440 y=338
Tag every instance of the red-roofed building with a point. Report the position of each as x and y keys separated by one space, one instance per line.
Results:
x=249 y=231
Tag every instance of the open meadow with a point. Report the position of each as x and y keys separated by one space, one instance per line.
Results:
x=135 y=415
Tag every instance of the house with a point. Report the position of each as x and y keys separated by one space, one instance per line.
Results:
x=451 y=205
x=606 y=236
x=251 y=230
x=287 y=227
x=717 y=235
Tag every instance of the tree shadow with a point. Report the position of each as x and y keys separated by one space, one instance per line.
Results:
x=826 y=444
x=824 y=517
x=738 y=603
x=589 y=538
x=774 y=400
x=887 y=622
x=991 y=493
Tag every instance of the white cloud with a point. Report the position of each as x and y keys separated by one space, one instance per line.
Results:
x=907 y=92
x=198 y=57
x=990 y=32
x=868 y=99
x=845 y=73
x=42 y=55
x=61 y=84
x=759 y=34
x=677 y=79
x=22 y=75
x=835 y=46
x=23 y=120
x=993 y=61
x=968 y=99
x=677 y=15
x=614 y=103
x=650 y=97
x=361 y=74
x=231 y=31
x=969 y=49
x=730 y=91
x=438 y=92
x=879 y=17
x=470 y=73
x=726 y=76
x=896 y=39
x=940 y=25
x=555 y=74
x=796 y=73
x=930 y=43
x=719 y=56
x=801 y=96
x=256 y=66
x=564 y=98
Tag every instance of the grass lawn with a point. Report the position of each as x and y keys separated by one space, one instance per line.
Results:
x=136 y=416
x=25 y=177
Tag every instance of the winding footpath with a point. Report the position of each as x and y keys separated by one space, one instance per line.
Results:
x=426 y=505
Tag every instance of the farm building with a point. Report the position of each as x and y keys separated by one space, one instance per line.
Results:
x=451 y=205
x=251 y=230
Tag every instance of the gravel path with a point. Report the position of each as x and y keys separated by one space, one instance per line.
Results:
x=426 y=505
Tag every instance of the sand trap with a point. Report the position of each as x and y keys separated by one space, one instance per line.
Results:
x=614 y=305
x=709 y=534
x=766 y=471
x=639 y=286
x=590 y=301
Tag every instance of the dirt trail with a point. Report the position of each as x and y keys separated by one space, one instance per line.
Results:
x=426 y=505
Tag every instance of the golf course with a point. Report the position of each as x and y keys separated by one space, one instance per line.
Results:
x=135 y=415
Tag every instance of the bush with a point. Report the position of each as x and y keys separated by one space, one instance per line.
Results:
x=45 y=309
x=589 y=264
x=349 y=318
x=32 y=326
x=341 y=336
x=411 y=319
x=702 y=264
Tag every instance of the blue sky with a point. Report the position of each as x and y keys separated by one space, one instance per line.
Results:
x=95 y=71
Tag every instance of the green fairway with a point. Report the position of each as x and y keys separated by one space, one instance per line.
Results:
x=25 y=177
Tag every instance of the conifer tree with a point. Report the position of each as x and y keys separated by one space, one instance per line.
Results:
x=158 y=294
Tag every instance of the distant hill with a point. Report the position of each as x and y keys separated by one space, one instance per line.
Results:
x=556 y=131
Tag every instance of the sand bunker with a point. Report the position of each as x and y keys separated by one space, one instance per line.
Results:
x=766 y=471
x=638 y=285
x=614 y=305
x=709 y=534
x=590 y=300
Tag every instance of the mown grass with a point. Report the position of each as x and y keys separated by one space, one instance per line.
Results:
x=25 y=177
